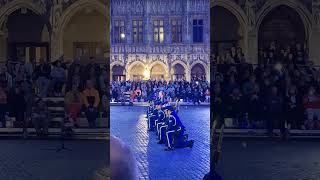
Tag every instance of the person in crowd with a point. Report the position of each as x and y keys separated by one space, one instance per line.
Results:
x=235 y=106
x=58 y=75
x=6 y=77
x=91 y=101
x=175 y=131
x=40 y=118
x=274 y=111
x=3 y=103
x=42 y=78
x=311 y=102
x=73 y=102
x=122 y=161
x=17 y=104
x=255 y=106
x=293 y=110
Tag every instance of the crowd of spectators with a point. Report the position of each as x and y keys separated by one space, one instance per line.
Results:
x=195 y=91
x=24 y=85
x=281 y=91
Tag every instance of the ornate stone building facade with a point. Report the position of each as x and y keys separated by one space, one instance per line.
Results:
x=48 y=29
x=160 y=39
x=257 y=18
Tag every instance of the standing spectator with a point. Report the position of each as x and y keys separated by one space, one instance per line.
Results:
x=58 y=78
x=6 y=77
x=293 y=106
x=42 y=76
x=91 y=101
x=274 y=111
x=17 y=104
x=3 y=104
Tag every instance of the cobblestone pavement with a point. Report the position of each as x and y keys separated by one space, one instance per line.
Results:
x=38 y=160
x=268 y=160
x=128 y=124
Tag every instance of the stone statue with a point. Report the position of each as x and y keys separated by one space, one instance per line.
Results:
x=250 y=9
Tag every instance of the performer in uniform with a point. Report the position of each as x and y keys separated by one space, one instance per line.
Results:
x=161 y=118
x=153 y=116
x=175 y=131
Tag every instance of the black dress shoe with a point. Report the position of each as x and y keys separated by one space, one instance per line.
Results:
x=160 y=142
x=169 y=149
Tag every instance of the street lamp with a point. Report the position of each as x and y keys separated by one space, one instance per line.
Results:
x=122 y=35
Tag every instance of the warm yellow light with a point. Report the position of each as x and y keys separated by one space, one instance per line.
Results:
x=146 y=74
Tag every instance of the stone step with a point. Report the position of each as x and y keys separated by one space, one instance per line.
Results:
x=82 y=122
x=264 y=131
x=57 y=130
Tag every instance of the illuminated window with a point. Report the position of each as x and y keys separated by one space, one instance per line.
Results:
x=176 y=31
x=158 y=31
x=198 y=30
x=119 y=31
x=137 y=26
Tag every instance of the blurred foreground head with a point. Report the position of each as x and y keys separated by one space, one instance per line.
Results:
x=122 y=162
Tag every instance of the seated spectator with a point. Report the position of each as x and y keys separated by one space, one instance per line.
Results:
x=91 y=101
x=73 y=103
x=138 y=94
x=311 y=103
x=236 y=105
x=104 y=100
x=207 y=95
x=40 y=118
x=103 y=80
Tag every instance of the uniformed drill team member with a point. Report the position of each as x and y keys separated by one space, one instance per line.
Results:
x=153 y=116
x=161 y=118
x=150 y=109
x=175 y=131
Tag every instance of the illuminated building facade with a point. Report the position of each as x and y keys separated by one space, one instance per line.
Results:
x=160 y=39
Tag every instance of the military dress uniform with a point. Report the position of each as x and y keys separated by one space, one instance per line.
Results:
x=153 y=117
x=175 y=132
x=160 y=120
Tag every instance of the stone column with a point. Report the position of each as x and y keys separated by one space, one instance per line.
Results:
x=251 y=47
x=314 y=39
x=188 y=74
x=3 y=48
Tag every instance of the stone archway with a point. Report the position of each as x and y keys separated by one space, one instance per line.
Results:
x=282 y=25
x=118 y=73
x=79 y=15
x=158 y=72
x=26 y=42
x=136 y=71
x=198 y=71
x=296 y=7
x=179 y=70
x=235 y=10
